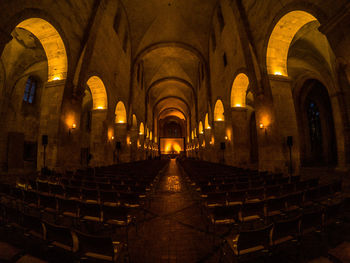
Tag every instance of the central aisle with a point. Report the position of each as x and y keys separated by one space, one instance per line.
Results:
x=173 y=229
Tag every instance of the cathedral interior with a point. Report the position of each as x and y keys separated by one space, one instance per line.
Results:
x=174 y=131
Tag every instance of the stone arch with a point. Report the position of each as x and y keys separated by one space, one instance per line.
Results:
x=280 y=39
x=98 y=92
x=239 y=90
x=219 y=111
x=120 y=113
x=53 y=45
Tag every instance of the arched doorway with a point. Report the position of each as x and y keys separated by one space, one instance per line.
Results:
x=316 y=126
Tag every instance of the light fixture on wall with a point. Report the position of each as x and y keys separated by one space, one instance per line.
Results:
x=226 y=138
x=73 y=127
x=261 y=126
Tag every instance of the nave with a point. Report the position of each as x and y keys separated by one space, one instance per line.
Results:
x=179 y=217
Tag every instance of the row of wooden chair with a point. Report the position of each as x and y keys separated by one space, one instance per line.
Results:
x=74 y=243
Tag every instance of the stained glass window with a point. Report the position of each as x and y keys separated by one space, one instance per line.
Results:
x=29 y=92
x=315 y=129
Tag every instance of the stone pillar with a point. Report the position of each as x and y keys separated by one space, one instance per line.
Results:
x=240 y=135
x=219 y=137
x=208 y=148
x=141 y=149
x=56 y=128
x=133 y=147
x=120 y=140
x=98 y=138
x=279 y=121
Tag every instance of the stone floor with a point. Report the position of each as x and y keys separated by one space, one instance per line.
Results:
x=173 y=229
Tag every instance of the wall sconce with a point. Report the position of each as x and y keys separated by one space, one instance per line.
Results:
x=226 y=138
x=112 y=137
x=263 y=127
x=74 y=126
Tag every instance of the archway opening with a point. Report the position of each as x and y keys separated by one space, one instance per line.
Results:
x=120 y=113
x=239 y=90
x=52 y=44
x=98 y=92
x=281 y=38
x=219 y=111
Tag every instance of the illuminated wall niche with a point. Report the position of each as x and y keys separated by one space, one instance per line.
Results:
x=219 y=111
x=120 y=113
x=239 y=90
x=98 y=92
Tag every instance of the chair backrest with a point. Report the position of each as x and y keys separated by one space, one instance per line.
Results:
x=95 y=246
x=59 y=234
x=287 y=227
x=254 y=238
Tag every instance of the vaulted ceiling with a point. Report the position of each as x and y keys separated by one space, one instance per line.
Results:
x=171 y=38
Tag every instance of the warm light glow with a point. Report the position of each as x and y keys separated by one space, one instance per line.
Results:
x=226 y=138
x=228 y=134
x=74 y=126
x=142 y=129
x=280 y=39
x=203 y=144
x=120 y=113
x=239 y=90
x=171 y=145
x=98 y=93
x=200 y=128
x=52 y=44
x=112 y=137
x=219 y=111
x=261 y=126
x=206 y=122
x=70 y=121
x=277 y=73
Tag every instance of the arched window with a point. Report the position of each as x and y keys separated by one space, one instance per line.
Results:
x=29 y=92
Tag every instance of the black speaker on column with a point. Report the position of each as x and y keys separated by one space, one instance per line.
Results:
x=290 y=141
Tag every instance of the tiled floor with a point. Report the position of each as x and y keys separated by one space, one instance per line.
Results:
x=173 y=229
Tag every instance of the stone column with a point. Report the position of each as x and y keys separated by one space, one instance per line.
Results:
x=219 y=137
x=98 y=138
x=240 y=135
x=56 y=128
x=120 y=140
x=279 y=121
